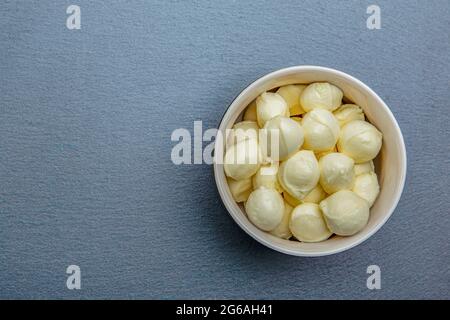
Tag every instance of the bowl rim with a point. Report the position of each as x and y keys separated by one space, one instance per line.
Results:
x=313 y=68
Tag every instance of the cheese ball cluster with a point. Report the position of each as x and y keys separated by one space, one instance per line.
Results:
x=301 y=162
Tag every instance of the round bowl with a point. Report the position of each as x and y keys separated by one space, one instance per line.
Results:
x=390 y=164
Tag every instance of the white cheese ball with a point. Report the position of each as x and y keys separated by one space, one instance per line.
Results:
x=268 y=106
x=345 y=212
x=282 y=230
x=267 y=176
x=367 y=187
x=348 y=112
x=299 y=174
x=359 y=140
x=242 y=160
x=321 y=154
x=316 y=195
x=250 y=112
x=290 y=199
x=364 y=167
x=336 y=172
x=307 y=223
x=297 y=119
x=283 y=134
x=243 y=130
x=321 y=130
x=240 y=189
x=291 y=94
x=321 y=95
x=265 y=208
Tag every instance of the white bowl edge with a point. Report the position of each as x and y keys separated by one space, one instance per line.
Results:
x=238 y=105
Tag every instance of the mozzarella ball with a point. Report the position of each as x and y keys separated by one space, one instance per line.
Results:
x=297 y=119
x=316 y=195
x=299 y=174
x=321 y=154
x=242 y=159
x=336 y=172
x=359 y=140
x=291 y=94
x=283 y=134
x=307 y=223
x=348 y=112
x=240 y=189
x=267 y=176
x=265 y=208
x=321 y=130
x=268 y=106
x=345 y=212
x=321 y=95
x=366 y=186
x=364 y=167
x=243 y=130
x=250 y=112
x=282 y=230
x=290 y=199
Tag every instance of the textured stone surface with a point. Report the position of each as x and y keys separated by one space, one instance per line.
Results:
x=85 y=124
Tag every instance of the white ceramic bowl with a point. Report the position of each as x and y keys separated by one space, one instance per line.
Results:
x=390 y=164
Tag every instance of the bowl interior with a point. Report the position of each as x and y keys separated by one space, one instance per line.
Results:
x=390 y=164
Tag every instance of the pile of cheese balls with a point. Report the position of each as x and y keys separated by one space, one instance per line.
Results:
x=321 y=180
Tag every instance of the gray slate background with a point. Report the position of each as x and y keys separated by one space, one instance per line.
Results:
x=85 y=123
